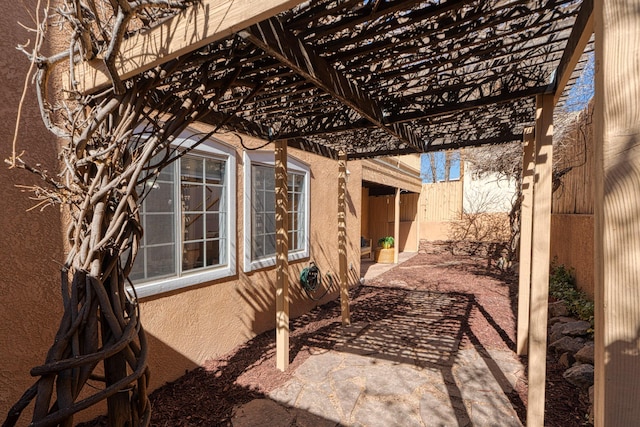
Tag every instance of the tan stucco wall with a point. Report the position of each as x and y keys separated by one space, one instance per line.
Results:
x=572 y=244
x=435 y=230
x=185 y=328
x=30 y=242
x=194 y=325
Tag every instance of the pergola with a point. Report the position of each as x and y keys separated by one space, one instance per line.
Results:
x=350 y=79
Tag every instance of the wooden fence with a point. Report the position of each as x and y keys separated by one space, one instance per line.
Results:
x=441 y=201
x=574 y=168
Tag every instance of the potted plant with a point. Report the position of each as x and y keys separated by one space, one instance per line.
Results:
x=386 y=242
x=385 y=252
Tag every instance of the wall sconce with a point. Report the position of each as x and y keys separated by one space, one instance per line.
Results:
x=348 y=174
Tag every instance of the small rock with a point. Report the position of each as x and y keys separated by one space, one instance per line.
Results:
x=580 y=375
x=555 y=335
x=578 y=328
x=585 y=354
x=558 y=308
x=567 y=345
x=566 y=359
x=557 y=323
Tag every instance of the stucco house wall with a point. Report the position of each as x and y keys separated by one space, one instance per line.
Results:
x=488 y=193
x=31 y=240
x=185 y=327
x=190 y=326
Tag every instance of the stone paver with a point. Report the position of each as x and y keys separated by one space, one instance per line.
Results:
x=395 y=373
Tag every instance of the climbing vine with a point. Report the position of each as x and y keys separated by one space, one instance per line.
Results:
x=112 y=143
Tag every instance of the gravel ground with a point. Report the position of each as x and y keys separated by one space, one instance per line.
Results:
x=207 y=396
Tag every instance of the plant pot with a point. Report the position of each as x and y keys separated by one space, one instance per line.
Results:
x=384 y=256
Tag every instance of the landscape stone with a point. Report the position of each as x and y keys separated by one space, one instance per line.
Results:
x=585 y=355
x=560 y=319
x=578 y=328
x=567 y=344
x=555 y=335
x=558 y=308
x=566 y=360
x=580 y=375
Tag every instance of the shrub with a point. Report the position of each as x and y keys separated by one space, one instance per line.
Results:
x=562 y=286
x=386 y=242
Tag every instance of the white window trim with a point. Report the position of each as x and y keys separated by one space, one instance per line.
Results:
x=215 y=149
x=267 y=158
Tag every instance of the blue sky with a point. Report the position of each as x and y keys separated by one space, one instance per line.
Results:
x=583 y=90
x=425 y=166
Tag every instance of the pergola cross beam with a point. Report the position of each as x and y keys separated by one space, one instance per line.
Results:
x=199 y=25
x=274 y=39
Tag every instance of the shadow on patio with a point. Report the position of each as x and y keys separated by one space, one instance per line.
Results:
x=423 y=349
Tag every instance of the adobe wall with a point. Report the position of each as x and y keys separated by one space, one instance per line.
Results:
x=433 y=231
x=201 y=323
x=572 y=244
x=31 y=241
x=185 y=328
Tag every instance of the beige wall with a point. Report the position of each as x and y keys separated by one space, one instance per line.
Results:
x=194 y=325
x=572 y=244
x=440 y=204
x=186 y=327
x=381 y=218
x=30 y=242
x=572 y=224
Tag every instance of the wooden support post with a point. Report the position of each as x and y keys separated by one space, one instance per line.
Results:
x=541 y=246
x=617 y=213
x=526 y=227
x=396 y=227
x=282 y=257
x=342 y=238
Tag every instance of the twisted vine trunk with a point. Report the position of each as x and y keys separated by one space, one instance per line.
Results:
x=113 y=143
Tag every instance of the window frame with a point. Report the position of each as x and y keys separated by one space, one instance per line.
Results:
x=213 y=149
x=265 y=158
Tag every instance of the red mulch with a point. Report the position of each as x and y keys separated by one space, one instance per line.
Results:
x=207 y=396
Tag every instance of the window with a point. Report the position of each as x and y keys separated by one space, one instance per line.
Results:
x=260 y=217
x=188 y=218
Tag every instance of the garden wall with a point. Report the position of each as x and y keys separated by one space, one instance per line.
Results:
x=572 y=246
x=572 y=210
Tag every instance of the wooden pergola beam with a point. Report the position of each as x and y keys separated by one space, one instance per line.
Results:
x=526 y=229
x=396 y=226
x=468 y=105
x=274 y=39
x=342 y=239
x=540 y=253
x=196 y=26
x=617 y=214
x=282 y=257
x=577 y=42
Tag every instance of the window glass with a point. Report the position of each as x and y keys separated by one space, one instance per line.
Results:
x=263 y=215
x=187 y=236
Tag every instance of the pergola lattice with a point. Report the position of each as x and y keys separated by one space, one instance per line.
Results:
x=342 y=78
x=377 y=78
